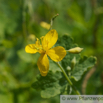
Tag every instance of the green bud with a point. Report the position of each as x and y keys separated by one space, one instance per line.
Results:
x=75 y=50
x=73 y=62
x=68 y=68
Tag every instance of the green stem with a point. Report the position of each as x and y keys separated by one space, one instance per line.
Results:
x=71 y=84
x=51 y=23
x=24 y=31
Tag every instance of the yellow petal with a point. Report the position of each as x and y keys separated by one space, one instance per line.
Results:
x=57 y=53
x=31 y=48
x=49 y=39
x=43 y=64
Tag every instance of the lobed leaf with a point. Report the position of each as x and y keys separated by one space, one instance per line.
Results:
x=49 y=85
x=81 y=67
x=82 y=64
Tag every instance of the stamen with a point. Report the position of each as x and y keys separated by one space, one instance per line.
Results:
x=37 y=41
x=42 y=39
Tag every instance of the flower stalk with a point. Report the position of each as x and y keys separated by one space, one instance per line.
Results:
x=51 y=23
x=69 y=81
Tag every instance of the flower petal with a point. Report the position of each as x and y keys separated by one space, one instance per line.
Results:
x=43 y=64
x=57 y=53
x=31 y=48
x=49 y=39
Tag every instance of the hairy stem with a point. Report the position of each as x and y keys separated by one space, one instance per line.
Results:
x=51 y=23
x=69 y=81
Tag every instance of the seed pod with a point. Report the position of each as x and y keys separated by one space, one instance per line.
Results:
x=75 y=50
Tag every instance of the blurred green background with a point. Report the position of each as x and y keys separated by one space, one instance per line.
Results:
x=20 y=25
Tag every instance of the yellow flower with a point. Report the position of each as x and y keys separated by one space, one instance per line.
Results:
x=56 y=53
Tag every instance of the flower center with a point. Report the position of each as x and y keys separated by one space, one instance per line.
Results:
x=39 y=47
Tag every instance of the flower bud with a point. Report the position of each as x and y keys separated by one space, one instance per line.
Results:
x=32 y=37
x=68 y=68
x=75 y=50
x=45 y=25
x=73 y=62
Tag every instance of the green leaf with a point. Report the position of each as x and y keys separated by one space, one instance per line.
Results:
x=82 y=64
x=66 y=41
x=8 y=43
x=81 y=67
x=11 y=81
x=49 y=85
x=24 y=56
x=51 y=92
x=6 y=98
x=75 y=13
x=47 y=81
x=53 y=66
